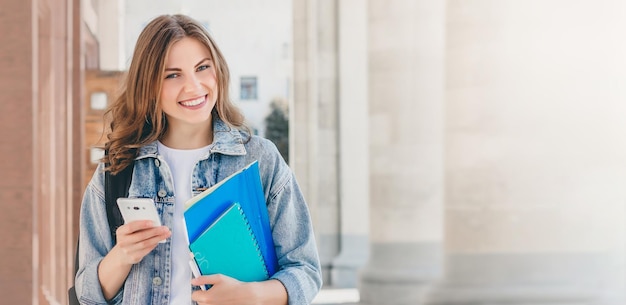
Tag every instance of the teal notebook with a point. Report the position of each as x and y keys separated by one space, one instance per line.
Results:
x=229 y=247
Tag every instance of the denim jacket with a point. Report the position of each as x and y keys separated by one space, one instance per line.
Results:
x=149 y=280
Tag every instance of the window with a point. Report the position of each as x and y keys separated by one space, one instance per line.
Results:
x=248 y=89
x=98 y=100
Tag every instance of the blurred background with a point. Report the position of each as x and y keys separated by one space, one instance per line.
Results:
x=451 y=152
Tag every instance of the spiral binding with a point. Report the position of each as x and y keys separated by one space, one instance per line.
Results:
x=256 y=243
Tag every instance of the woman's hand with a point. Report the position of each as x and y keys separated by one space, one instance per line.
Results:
x=136 y=239
x=226 y=290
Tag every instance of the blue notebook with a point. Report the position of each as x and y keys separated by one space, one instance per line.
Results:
x=229 y=247
x=244 y=187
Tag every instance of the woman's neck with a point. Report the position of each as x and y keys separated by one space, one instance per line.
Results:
x=187 y=137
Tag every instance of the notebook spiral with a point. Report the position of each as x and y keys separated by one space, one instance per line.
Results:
x=256 y=242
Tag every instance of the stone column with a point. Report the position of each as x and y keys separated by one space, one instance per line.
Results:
x=303 y=109
x=18 y=87
x=316 y=119
x=353 y=147
x=535 y=153
x=406 y=86
x=328 y=129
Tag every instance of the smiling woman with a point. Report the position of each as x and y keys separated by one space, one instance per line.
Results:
x=175 y=124
x=163 y=68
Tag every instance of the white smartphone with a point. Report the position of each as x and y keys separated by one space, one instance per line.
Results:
x=138 y=209
x=133 y=209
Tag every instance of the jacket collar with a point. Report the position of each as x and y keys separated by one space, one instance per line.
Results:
x=226 y=140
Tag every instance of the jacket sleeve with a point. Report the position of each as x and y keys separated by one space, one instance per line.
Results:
x=94 y=242
x=299 y=267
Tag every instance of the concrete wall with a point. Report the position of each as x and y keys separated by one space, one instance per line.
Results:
x=535 y=152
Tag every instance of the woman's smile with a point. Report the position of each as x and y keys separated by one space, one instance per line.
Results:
x=194 y=103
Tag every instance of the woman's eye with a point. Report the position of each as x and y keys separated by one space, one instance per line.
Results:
x=173 y=75
x=203 y=67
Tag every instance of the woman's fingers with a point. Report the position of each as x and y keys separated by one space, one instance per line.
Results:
x=138 y=231
x=134 y=226
x=136 y=239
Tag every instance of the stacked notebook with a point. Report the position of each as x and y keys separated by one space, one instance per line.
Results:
x=228 y=228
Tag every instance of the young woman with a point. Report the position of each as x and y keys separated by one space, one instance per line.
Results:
x=174 y=122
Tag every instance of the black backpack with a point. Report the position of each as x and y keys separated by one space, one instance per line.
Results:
x=115 y=186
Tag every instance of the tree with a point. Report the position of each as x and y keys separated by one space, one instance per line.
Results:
x=277 y=126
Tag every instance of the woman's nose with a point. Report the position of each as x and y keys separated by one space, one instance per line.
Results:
x=192 y=83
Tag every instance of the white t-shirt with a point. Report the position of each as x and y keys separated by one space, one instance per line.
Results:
x=181 y=164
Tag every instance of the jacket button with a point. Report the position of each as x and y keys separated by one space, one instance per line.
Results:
x=162 y=193
x=157 y=281
x=157 y=162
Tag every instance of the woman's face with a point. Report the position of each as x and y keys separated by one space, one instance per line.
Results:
x=189 y=90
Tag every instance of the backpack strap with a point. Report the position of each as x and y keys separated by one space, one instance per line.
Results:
x=116 y=186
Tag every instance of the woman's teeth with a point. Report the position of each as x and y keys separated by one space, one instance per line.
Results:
x=193 y=102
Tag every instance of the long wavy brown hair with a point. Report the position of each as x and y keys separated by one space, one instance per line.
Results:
x=136 y=116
